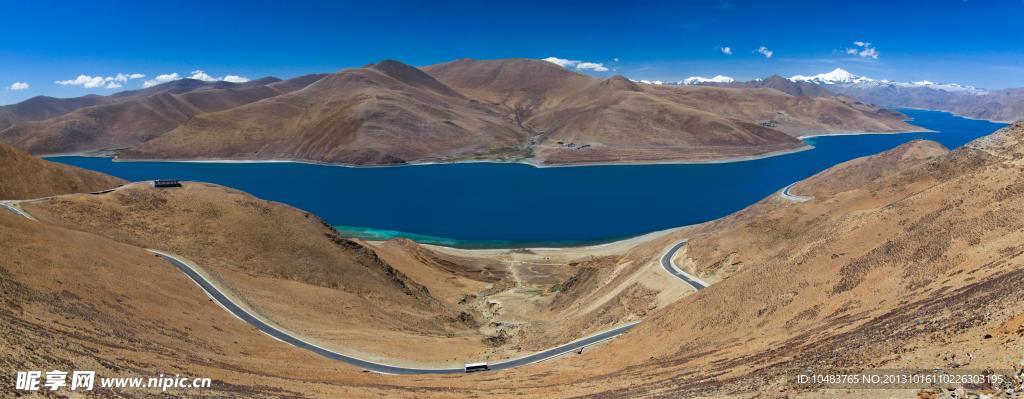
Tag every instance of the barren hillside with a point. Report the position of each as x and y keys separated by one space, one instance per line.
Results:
x=384 y=113
x=914 y=264
x=912 y=268
x=514 y=109
x=395 y=301
x=1005 y=105
x=285 y=263
x=43 y=107
x=26 y=177
x=578 y=119
x=132 y=117
x=71 y=300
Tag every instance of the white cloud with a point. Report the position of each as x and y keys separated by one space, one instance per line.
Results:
x=725 y=50
x=579 y=65
x=564 y=63
x=160 y=79
x=765 y=52
x=18 y=86
x=85 y=81
x=616 y=59
x=92 y=82
x=595 y=66
x=235 y=79
x=200 y=75
x=124 y=77
x=863 y=50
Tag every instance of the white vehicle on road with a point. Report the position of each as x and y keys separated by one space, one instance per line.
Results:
x=474 y=367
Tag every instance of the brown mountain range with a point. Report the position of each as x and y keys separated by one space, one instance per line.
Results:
x=26 y=177
x=1005 y=105
x=385 y=113
x=512 y=109
x=508 y=109
x=909 y=267
x=43 y=107
x=129 y=118
x=781 y=84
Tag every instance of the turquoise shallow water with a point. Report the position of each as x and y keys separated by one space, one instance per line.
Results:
x=383 y=234
x=500 y=205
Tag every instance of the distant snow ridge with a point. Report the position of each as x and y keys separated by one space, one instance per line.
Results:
x=837 y=76
x=840 y=76
x=692 y=80
x=953 y=87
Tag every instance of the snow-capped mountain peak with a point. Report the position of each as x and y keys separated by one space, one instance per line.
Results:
x=692 y=80
x=837 y=76
x=950 y=87
x=842 y=77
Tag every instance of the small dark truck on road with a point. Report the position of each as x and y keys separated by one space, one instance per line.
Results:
x=166 y=183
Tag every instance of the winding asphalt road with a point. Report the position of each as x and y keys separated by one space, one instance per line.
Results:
x=214 y=293
x=785 y=194
x=666 y=262
x=10 y=206
x=224 y=301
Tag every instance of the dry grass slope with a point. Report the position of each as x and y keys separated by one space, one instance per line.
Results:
x=916 y=265
x=910 y=268
x=26 y=177
x=132 y=117
x=515 y=109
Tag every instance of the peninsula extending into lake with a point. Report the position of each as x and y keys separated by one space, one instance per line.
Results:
x=390 y=113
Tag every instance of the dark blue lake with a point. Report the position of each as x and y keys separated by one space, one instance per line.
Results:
x=504 y=205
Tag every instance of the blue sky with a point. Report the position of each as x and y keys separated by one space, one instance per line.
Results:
x=969 y=42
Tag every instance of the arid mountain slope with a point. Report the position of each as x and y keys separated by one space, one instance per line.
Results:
x=616 y=120
x=280 y=260
x=384 y=113
x=579 y=119
x=915 y=266
x=71 y=300
x=398 y=301
x=795 y=115
x=79 y=301
x=862 y=172
x=42 y=107
x=522 y=85
x=388 y=113
x=515 y=109
x=781 y=84
x=26 y=177
x=1005 y=105
x=722 y=248
x=132 y=117
x=911 y=269
x=544 y=296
